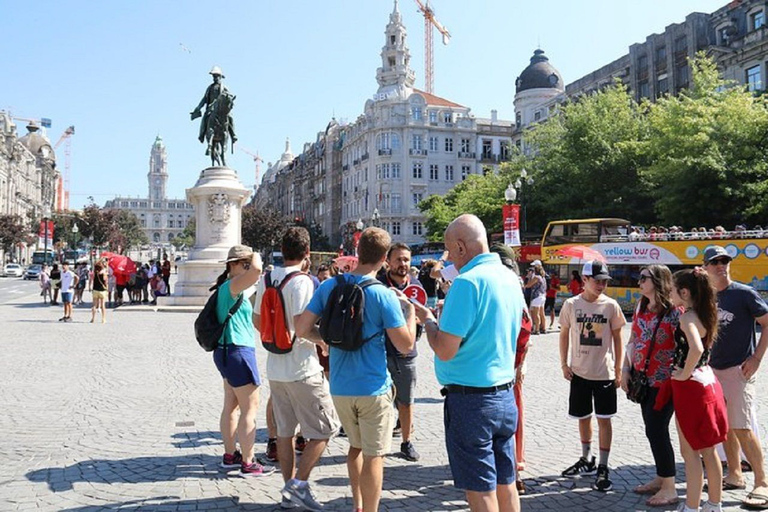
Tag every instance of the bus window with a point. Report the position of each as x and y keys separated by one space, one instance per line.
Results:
x=573 y=233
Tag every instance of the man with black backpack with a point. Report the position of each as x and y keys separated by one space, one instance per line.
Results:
x=300 y=394
x=355 y=311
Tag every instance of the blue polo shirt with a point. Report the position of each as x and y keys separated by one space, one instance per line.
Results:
x=362 y=372
x=484 y=307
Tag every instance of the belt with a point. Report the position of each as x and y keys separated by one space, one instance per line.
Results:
x=469 y=390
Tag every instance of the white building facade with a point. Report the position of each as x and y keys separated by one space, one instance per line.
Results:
x=162 y=219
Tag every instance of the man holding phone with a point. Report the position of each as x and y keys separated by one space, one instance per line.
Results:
x=402 y=367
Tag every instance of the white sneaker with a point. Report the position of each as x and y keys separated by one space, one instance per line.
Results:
x=710 y=507
x=301 y=495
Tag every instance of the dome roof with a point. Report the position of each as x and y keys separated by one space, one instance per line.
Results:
x=539 y=74
x=33 y=140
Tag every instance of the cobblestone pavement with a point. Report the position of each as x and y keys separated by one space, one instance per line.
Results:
x=125 y=416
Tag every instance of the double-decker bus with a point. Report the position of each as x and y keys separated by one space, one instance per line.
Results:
x=626 y=251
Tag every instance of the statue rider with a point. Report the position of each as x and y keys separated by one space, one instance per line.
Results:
x=211 y=94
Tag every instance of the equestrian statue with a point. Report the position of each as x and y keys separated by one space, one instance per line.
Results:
x=216 y=124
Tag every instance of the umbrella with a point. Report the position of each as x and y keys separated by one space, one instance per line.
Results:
x=581 y=252
x=122 y=264
x=346 y=263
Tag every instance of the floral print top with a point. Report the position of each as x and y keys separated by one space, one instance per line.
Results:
x=643 y=326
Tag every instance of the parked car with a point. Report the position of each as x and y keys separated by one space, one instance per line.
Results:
x=33 y=272
x=12 y=270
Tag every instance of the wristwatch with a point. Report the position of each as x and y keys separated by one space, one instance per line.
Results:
x=432 y=321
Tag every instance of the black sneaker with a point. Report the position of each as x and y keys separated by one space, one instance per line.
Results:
x=582 y=466
x=602 y=482
x=409 y=452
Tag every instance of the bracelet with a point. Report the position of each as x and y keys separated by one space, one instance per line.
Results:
x=433 y=322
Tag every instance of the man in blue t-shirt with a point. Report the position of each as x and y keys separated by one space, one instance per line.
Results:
x=735 y=359
x=475 y=346
x=361 y=386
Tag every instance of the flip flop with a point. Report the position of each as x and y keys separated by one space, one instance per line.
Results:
x=727 y=486
x=662 y=503
x=761 y=503
x=645 y=489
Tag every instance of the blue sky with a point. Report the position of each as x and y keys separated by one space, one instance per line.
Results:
x=121 y=73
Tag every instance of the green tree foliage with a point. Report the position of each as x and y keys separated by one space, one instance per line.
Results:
x=13 y=230
x=696 y=159
x=589 y=161
x=187 y=237
x=709 y=152
x=262 y=229
x=117 y=230
x=320 y=242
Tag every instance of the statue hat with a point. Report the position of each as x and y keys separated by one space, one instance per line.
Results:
x=216 y=70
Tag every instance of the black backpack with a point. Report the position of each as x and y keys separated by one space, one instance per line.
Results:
x=208 y=329
x=341 y=325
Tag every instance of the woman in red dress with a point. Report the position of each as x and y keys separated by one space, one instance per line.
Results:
x=696 y=393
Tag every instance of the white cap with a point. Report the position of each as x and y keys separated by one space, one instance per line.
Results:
x=536 y=263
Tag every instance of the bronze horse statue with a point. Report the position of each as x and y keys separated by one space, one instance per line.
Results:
x=219 y=128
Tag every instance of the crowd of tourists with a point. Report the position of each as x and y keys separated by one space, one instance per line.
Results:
x=108 y=288
x=341 y=351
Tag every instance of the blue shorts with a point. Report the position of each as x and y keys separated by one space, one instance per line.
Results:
x=241 y=366
x=480 y=439
x=66 y=297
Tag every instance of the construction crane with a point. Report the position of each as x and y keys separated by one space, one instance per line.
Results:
x=257 y=160
x=429 y=61
x=62 y=187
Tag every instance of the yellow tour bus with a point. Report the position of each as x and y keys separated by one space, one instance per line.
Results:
x=627 y=250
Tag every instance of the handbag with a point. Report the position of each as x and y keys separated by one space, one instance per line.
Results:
x=637 y=387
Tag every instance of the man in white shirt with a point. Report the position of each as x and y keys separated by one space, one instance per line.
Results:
x=299 y=390
x=68 y=283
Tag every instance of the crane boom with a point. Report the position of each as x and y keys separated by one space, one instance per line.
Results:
x=62 y=187
x=256 y=160
x=429 y=63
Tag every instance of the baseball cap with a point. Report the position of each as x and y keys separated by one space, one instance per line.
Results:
x=238 y=252
x=595 y=269
x=715 y=251
x=536 y=263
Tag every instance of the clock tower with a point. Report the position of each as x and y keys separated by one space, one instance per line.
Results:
x=158 y=171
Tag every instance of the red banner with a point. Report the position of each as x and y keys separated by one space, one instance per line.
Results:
x=42 y=234
x=511 y=215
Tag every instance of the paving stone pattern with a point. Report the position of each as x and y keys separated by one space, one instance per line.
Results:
x=125 y=416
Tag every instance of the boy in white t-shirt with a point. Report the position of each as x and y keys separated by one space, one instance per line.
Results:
x=590 y=332
x=68 y=283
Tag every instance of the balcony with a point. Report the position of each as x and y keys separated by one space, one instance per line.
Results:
x=385 y=152
x=489 y=158
x=364 y=157
x=467 y=154
x=356 y=162
x=418 y=152
x=345 y=167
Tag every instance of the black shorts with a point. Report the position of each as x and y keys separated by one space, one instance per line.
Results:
x=549 y=304
x=584 y=392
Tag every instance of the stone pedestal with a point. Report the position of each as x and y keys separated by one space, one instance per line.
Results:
x=218 y=198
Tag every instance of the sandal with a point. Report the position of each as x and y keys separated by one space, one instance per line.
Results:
x=757 y=500
x=646 y=489
x=520 y=487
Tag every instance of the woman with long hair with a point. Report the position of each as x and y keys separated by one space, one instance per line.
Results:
x=650 y=350
x=696 y=393
x=98 y=288
x=235 y=358
x=538 y=286
x=576 y=284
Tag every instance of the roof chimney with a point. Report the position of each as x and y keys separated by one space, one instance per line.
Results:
x=494 y=115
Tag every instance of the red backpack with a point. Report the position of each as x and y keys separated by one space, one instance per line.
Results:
x=275 y=334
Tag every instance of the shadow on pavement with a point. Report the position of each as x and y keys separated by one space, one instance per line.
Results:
x=195 y=439
x=134 y=470
x=173 y=503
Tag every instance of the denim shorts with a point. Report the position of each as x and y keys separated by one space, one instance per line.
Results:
x=241 y=366
x=66 y=297
x=480 y=439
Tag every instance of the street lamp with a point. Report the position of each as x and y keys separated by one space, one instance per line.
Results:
x=519 y=184
x=75 y=231
x=46 y=216
x=375 y=217
x=510 y=194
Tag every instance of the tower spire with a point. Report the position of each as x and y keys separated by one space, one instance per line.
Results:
x=395 y=70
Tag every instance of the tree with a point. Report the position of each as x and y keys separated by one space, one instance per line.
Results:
x=119 y=230
x=320 y=242
x=709 y=149
x=262 y=228
x=13 y=230
x=588 y=160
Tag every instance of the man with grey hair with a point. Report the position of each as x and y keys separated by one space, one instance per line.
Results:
x=474 y=345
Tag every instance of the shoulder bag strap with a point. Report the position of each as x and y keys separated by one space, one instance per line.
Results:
x=653 y=343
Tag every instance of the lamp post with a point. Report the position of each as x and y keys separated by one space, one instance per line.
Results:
x=46 y=216
x=375 y=217
x=75 y=231
x=519 y=184
x=360 y=224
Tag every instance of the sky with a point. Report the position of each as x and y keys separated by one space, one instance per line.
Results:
x=124 y=72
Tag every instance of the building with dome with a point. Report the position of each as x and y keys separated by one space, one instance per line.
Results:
x=406 y=145
x=28 y=175
x=161 y=218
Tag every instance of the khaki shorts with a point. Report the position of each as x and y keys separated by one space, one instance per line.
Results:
x=306 y=403
x=368 y=422
x=739 y=396
x=97 y=294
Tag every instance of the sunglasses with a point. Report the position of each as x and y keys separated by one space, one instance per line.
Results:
x=719 y=261
x=643 y=278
